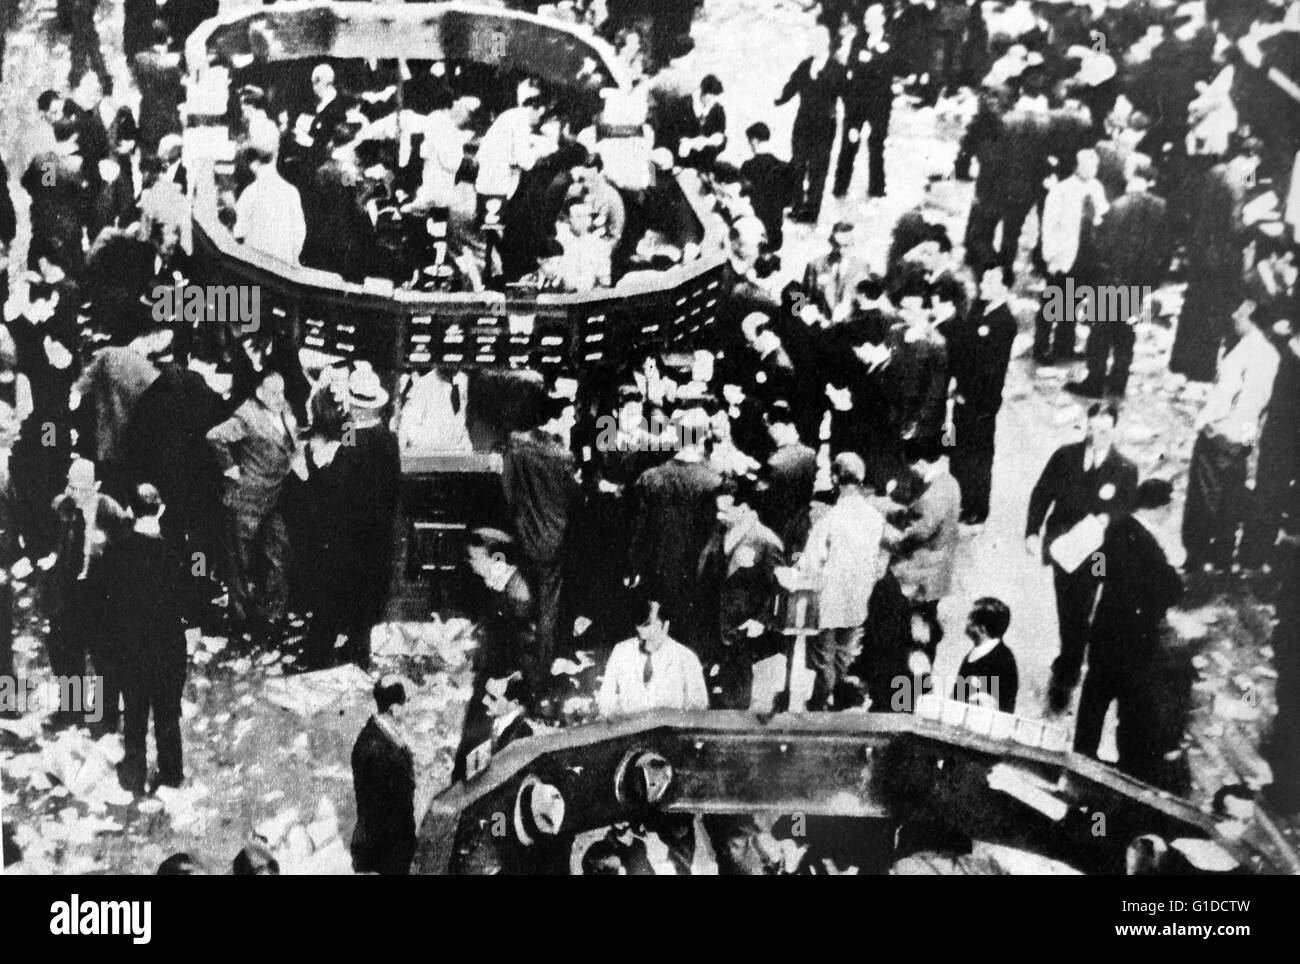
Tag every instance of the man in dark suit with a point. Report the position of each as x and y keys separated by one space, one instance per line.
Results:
x=1083 y=478
x=541 y=489
x=370 y=474
x=830 y=281
x=771 y=183
x=1133 y=251
x=673 y=511
x=979 y=352
x=787 y=479
x=1137 y=586
x=737 y=572
x=383 y=776
x=816 y=82
x=331 y=111
x=144 y=618
x=868 y=95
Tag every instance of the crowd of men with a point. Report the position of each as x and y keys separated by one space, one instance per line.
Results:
x=808 y=472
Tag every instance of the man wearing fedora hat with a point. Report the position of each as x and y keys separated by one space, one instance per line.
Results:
x=370 y=470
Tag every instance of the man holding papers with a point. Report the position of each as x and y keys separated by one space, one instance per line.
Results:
x=1081 y=480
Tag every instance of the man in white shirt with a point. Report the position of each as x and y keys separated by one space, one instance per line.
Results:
x=510 y=147
x=1071 y=214
x=1228 y=428
x=268 y=215
x=651 y=672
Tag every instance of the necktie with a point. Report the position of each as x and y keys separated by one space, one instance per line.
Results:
x=648 y=673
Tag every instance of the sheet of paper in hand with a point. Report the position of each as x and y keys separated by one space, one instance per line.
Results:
x=1071 y=549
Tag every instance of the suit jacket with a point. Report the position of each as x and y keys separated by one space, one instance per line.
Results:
x=143 y=599
x=1133 y=242
x=1137 y=587
x=383 y=776
x=261 y=443
x=831 y=280
x=817 y=96
x=1065 y=493
x=927 y=548
x=113 y=382
x=673 y=516
x=738 y=582
x=869 y=78
x=540 y=488
x=787 y=486
x=916 y=380
x=772 y=187
x=370 y=475
x=979 y=352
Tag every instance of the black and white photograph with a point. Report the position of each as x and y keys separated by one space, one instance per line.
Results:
x=651 y=437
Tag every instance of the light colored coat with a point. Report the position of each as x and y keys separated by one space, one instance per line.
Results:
x=842 y=560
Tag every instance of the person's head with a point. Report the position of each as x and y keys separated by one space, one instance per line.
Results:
x=758 y=135
x=258 y=159
x=873 y=16
x=869 y=292
x=322 y=81
x=780 y=424
x=146 y=502
x=463 y=108
x=1153 y=494
x=390 y=695
x=580 y=216
x=710 y=90
x=586 y=169
x=1102 y=419
x=255 y=860
x=842 y=235
x=179 y=865
x=536 y=108
x=252 y=100
x=909 y=295
x=82 y=484
x=651 y=627
x=989 y=618
x=366 y=397
x=946 y=298
x=1086 y=163
x=1243 y=319
x=604 y=858
x=1140 y=172
x=848 y=471
x=631 y=407
x=51 y=105
x=270 y=389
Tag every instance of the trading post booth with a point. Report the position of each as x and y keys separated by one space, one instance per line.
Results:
x=463 y=368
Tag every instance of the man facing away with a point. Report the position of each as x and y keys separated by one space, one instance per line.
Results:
x=145 y=603
x=651 y=671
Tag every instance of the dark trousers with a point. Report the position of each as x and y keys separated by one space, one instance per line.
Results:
x=1054 y=338
x=547 y=579
x=1075 y=594
x=1216 y=491
x=1130 y=688
x=972 y=460
x=854 y=119
x=982 y=225
x=84 y=50
x=1203 y=323
x=108 y=690
x=811 y=160
x=162 y=697
x=1279 y=469
x=1107 y=339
